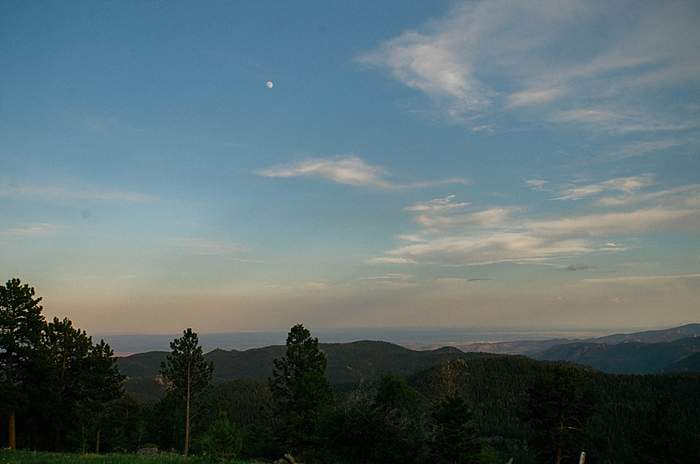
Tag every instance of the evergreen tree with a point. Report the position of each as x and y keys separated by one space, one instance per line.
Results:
x=104 y=384
x=187 y=373
x=455 y=440
x=69 y=350
x=560 y=404
x=397 y=411
x=300 y=389
x=21 y=328
x=223 y=440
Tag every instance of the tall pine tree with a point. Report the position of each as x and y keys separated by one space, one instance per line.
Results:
x=21 y=329
x=187 y=373
x=300 y=389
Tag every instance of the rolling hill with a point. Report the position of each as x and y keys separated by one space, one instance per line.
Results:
x=348 y=363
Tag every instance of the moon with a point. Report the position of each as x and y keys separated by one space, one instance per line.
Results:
x=269 y=84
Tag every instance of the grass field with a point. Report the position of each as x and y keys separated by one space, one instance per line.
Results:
x=31 y=457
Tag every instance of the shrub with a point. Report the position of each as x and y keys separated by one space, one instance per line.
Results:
x=223 y=440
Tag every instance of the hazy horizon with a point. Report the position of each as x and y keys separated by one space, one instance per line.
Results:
x=414 y=338
x=246 y=166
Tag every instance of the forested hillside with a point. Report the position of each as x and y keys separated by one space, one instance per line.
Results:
x=348 y=363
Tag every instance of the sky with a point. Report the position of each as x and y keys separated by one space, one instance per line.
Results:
x=496 y=164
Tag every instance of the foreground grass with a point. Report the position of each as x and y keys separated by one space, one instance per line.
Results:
x=32 y=457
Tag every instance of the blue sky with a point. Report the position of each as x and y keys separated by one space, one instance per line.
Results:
x=469 y=164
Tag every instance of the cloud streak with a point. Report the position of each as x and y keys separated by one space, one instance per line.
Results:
x=33 y=230
x=618 y=184
x=67 y=194
x=349 y=170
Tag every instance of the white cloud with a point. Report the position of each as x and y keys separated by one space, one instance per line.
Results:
x=349 y=170
x=390 y=260
x=486 y=249
x=675 y=195
x=620 y=184
x=486 y=218
x=607 y=224
x=436 y=205
x=484 y=57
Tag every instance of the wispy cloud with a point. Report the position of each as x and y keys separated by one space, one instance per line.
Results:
x=486 y=57
x=349 y=170
x=391 y=281
x=577 y=267
x=621 y=121
x=533 y=97
x=640 y=280
x=32 y=230
x=204 y=247
x=642 y=148
x=536 y=184
x=619 y=184
x=681 y=194
x=66 y=194
x=436 y=205
x=506 y=234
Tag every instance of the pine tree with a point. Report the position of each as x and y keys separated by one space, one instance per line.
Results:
x=300 y=389
x=187 y=373
x=455 y=439
x=558 y=408
x=21 y=328
x=69 y=351
x=104 y=384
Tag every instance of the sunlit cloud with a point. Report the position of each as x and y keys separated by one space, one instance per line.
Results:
x=349 y=170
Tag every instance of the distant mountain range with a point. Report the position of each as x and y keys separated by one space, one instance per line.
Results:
x=669 y=350
x=529 y=347
x=628 y=357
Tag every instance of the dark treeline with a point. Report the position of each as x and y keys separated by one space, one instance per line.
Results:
x=55 y=383
x=66 y=395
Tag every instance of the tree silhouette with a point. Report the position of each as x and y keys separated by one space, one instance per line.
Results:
x=187 y=373
x=455 y=439
x=300 y=389
x=559 y=406
x=104 y=384
x=21 y=327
